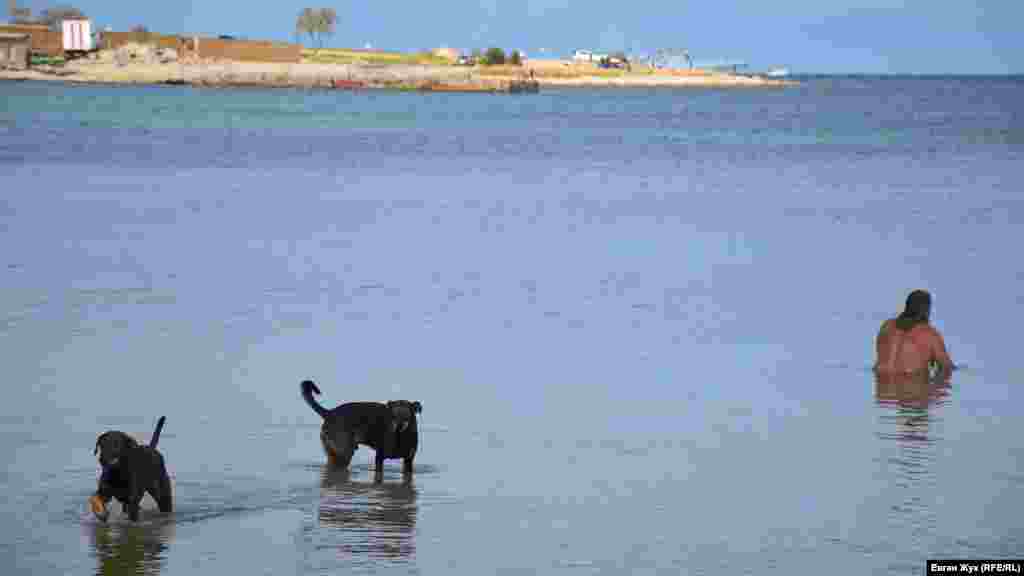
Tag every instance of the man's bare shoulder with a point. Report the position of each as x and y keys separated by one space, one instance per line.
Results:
x=927 y=330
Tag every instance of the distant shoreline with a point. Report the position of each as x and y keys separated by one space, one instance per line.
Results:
x=366 y=76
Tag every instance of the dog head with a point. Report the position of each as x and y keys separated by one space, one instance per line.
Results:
x=403 y=413
x=111 y=444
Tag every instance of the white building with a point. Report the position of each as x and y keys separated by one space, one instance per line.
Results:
x=588 y=56
x=78 y=36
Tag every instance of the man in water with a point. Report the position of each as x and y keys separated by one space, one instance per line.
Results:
x=908 y=345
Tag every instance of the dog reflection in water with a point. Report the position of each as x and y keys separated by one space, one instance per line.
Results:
x=374 y=519
x=128 y=548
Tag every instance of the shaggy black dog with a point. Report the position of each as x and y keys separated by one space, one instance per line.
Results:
x=129 y=471
x=390 y=429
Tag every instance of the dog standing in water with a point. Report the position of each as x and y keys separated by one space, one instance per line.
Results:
x=129 y=472
x=390 y=429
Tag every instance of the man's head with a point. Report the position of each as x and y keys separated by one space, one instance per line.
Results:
x=919 y=306
x=917 y=310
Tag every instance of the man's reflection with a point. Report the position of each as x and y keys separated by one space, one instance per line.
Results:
x=909 y=399
x=377 y=519
x=907 y=422
x=910 y=391
x=122 y=549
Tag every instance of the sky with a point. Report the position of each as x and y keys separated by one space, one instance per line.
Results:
x=806 y=36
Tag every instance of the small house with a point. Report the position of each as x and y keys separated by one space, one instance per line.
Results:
x=15 y=51
x=78 y=36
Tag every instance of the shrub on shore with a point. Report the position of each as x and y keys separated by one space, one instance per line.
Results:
x=494 y=57
x=370 y=57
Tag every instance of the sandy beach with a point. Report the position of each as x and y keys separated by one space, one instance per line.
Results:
x=108 y=67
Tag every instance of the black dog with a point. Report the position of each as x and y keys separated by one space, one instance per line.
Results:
x=390 y=429
x=129 y=471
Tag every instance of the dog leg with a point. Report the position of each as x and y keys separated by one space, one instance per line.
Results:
x=378 y=472
x=135 y=493
x=328 y=446
x=98 y=501
x=98 y=504
x=166 y=501
x=339 y=447
x=161 y=492
x=133 y=509
x=407 y=465
x=133 y=505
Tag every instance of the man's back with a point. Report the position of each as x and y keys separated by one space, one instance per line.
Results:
x=910 y=351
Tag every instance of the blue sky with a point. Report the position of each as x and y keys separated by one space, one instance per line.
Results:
x=869 y=36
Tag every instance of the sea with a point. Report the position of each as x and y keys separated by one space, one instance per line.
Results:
x=640 y=322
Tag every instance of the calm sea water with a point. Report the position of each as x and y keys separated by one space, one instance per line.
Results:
x=640 y=323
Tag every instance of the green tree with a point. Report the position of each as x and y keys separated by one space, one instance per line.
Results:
x=515 y=58
x=18 y=14
x=494 y=57
x=317 y=23
x=305 y=23
x=327 y=21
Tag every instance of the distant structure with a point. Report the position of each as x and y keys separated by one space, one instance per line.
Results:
x=588 y=56
x=679 y=58
x=450 y=54
x=732 y=66
x=672 y=58
x=14 y=51
x=77 y=35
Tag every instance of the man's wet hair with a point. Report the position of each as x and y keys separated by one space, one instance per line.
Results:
x=916 y=311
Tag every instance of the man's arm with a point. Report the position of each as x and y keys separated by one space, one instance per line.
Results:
x=883 y=332
x=940 y=355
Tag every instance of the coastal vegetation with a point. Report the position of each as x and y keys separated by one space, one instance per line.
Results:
x=493 y=57
x=496 y=57
x=317 y=23
x=371 y=57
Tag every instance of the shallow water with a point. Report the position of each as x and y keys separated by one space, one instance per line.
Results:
x=640 y=323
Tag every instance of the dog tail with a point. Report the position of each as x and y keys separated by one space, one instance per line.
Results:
x=308 y=388
x=156 y=433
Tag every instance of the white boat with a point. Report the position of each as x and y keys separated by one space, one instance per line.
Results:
x=777 y=72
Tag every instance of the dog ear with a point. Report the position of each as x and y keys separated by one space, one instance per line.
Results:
x=99 y=439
